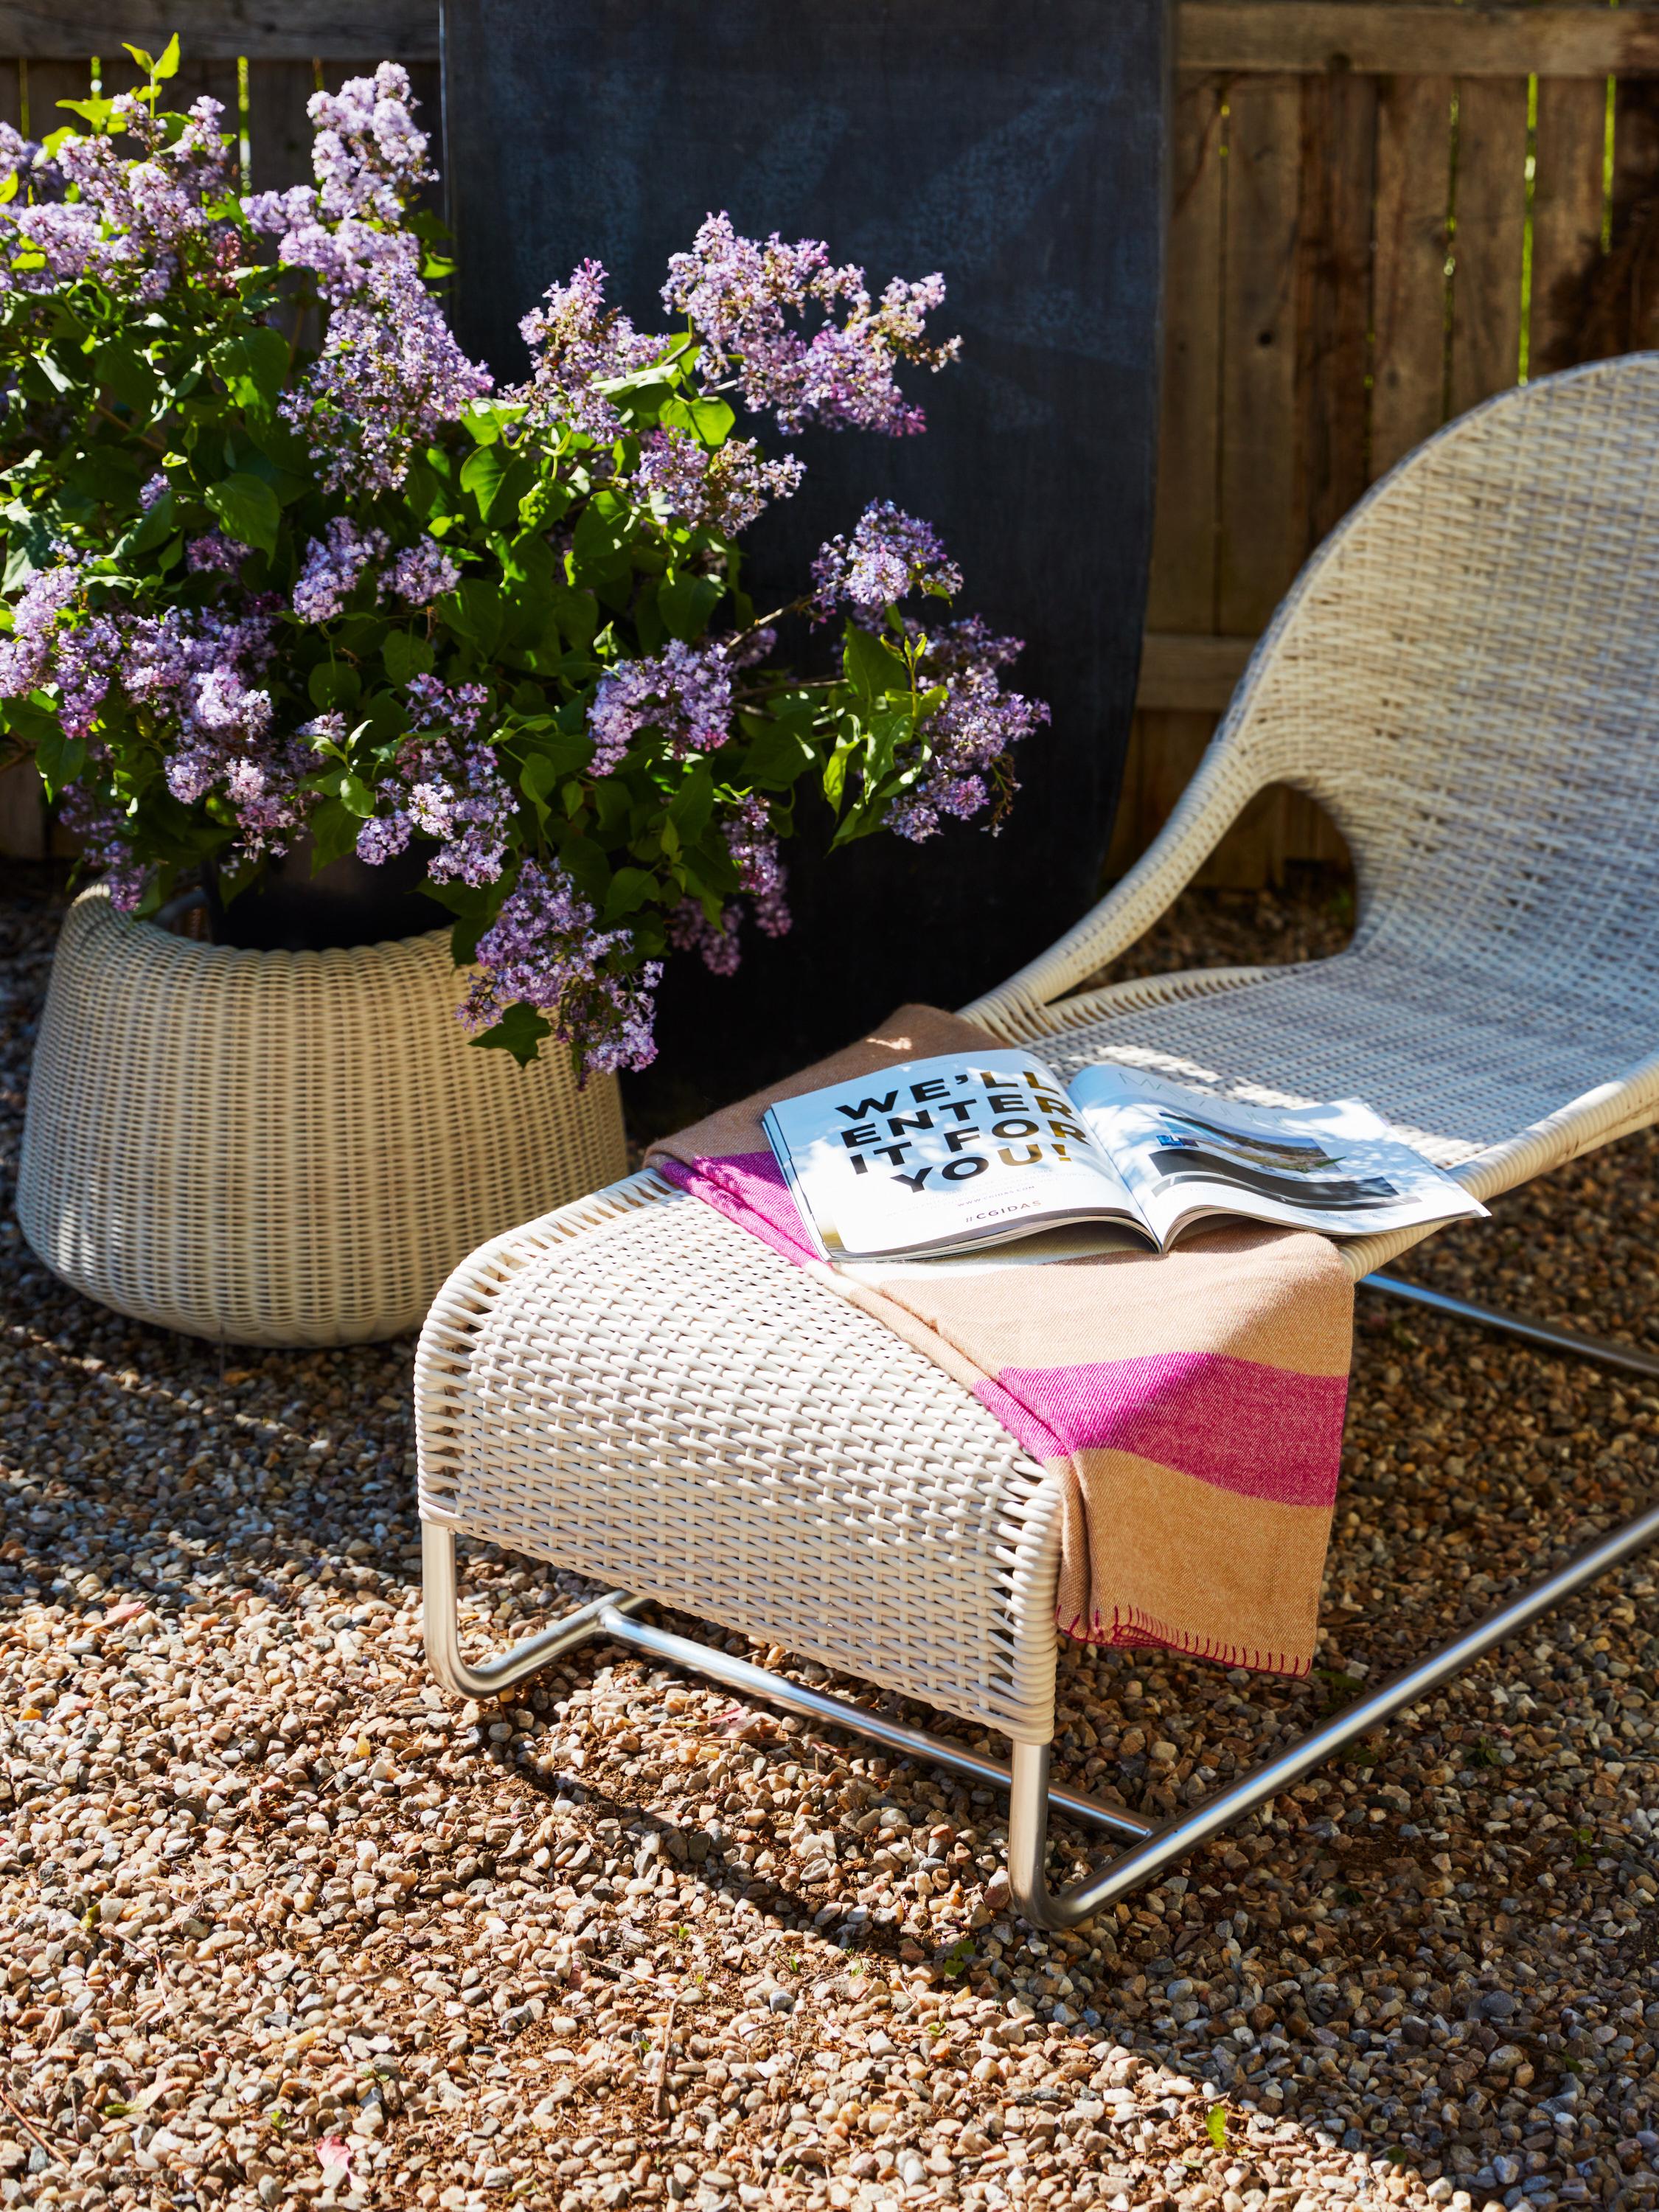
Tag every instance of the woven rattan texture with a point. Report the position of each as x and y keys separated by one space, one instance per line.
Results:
x=282 y=1148
x=643 y=1392
x=1466 y=677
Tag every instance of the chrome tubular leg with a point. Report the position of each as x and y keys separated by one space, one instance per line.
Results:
x=1028 y=1815
x=1028 y=1834
x=612 y=1616
x=1544 y=1333
x=893 y=1735
x=441 y=1627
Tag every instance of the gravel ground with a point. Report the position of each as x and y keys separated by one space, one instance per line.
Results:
x=282 y=1921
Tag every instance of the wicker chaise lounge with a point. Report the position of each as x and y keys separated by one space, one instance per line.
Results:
x=1467 y=677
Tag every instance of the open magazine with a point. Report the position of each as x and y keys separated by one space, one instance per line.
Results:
x=953 y=1154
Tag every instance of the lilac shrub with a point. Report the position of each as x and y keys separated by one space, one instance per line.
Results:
x=343 y=588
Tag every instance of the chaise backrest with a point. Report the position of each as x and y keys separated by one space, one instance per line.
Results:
x=1465 y=676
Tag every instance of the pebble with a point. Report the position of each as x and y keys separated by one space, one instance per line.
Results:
x=287 y=1926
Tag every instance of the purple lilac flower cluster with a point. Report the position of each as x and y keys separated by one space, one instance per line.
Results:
x=726 y=490
x=331 y=567
x=131 y=221
x=335 y=563
x=27 y=654
x=690 y=930
x=390 y=372
x=683 y=692
x=367 y=154
x=214 y=553
x=58 y=640
x=423 y=573
x=888 y=555
x=102 y=832
x=197 y=668
x=738 y=296
x=447 y=786
x=751 y=647
x=577 y=342
x=543 y=949
x=971 y=734
x=753 y=844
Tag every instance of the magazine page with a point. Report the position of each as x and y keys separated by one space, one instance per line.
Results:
x=1188 y=1156
x=942 y=1154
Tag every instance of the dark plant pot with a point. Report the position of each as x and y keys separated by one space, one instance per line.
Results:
x=293 y=910
x=1021 y=152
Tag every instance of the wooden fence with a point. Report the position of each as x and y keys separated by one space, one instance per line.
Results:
x=1382 y=212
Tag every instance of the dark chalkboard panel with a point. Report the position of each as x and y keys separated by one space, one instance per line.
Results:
x=1021 y=151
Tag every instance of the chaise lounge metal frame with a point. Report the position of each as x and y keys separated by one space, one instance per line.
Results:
x=1465 y=677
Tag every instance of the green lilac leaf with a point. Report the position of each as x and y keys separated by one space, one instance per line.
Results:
x=248 y=507
x=405 y=656
x=481 y=474
x=685 y=604
x=333 y=829
x=60 y=757
x=778 y=757
x=630 y=889
x=693 y=804
x=254 y=365
x=537 y=779
x=333 y=683
x=121 y=365
x=520 y=1031
x=872 y=669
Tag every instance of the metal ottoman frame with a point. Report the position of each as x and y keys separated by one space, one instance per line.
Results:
x=1463 y=677
x=1152 y=1845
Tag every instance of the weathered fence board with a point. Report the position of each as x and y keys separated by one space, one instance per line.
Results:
x=223 y=30
x=1406 y=37
x=1489 y=224
x=1258 y=371
x=1333 y=296
x=1445 y=246
x=278 y=133
x=1571 y=143
x=1408 y=269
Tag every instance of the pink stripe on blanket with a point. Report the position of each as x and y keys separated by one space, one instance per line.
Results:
x=1259 y=1431
x=749 y=1188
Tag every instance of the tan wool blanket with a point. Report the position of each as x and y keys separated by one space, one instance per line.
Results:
x=1191 y=1403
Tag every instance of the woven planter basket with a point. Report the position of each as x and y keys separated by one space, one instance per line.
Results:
x=282 y=1147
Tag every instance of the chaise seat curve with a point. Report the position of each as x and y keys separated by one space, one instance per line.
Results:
x=636 y=1389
